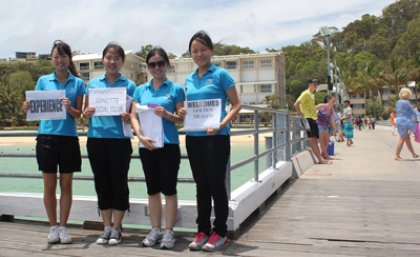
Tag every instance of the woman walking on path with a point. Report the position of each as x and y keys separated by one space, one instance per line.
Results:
x=208 y=151
x=406 y=123
x=57 y=142
x=325 y=121
x=160 y=165
x=109 y=150
x=347 y=120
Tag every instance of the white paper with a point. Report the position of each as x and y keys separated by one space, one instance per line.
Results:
x=202 y=114
x=128 y=131
x=150 y=125
x=108 y=101
x=46 y=105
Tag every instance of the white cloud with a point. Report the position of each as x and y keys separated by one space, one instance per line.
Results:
x=88 y=25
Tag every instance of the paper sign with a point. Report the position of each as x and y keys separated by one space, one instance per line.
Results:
x=202 y=114
x=128 y=131
x=108 y=101
x=46 y=105
x=150 y=124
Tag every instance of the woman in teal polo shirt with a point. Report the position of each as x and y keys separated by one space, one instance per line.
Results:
x=208 y=151
x=160 y=165
x=57 y=141
x=109 y=150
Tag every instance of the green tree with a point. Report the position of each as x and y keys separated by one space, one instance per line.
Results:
x=144 y=50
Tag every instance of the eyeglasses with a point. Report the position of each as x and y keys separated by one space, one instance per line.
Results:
x=153 y=65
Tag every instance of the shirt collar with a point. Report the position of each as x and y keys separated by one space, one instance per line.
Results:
x=121 y=78
x=53 y=76
x=211 y=69
x=150 y=83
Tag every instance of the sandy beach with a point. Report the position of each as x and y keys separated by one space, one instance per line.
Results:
x=247 y=139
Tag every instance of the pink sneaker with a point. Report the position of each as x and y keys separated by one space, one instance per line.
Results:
x=215 y=243
x=199 y=240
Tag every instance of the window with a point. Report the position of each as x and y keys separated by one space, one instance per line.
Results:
x=171 y=69
x=98 y=65
x=248 y=64
x=84 y=75
x=265 y=63
x=266 y=88
x=84 y=66
x=231 y=65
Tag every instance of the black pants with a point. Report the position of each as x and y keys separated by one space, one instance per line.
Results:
x=110 y=160
x=208 y=156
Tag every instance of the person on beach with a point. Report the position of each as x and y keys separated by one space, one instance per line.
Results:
x=208 y=151
x=338 y=126
x=326 y=121
x=347 y=120
x=305 y=107
x=406 y=123
x=109 y=149
x=160 y=165
x=57 y=141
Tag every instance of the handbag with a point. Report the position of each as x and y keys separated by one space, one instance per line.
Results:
x=417 y=133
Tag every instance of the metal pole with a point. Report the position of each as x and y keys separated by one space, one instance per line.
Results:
x=327 y=40
x=256 y=152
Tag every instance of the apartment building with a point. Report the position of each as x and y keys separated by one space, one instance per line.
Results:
x=26 y=55
x=255 y=75
x=90 y=66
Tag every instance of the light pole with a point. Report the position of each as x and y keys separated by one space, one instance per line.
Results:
x=326 y=33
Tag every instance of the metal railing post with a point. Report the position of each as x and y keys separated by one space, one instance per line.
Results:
x=256 y=145
x=275 y=141
x=228 y=180
x=288 y=138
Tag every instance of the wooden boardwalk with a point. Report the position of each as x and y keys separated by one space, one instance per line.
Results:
x=365 y=204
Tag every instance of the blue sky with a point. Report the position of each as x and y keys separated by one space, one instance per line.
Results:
x=88 y=25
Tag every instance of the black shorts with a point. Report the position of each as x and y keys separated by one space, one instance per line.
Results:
x=161 y=168
x=314 y=128
x=54 y=151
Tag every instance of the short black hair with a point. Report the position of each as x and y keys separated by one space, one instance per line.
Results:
x=117 y=47
x=203 y=38
x=159 y=51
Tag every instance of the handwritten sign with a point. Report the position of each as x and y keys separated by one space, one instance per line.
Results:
x=202 y=114
x=108 y=101
x=45 y=105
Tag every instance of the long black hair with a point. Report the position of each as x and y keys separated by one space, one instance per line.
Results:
x=203 y=38
x=64 y=49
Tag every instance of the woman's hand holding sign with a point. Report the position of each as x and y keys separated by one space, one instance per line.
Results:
x=89 y=111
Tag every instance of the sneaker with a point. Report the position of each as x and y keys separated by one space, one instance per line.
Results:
x=53 y=236
x=215 y=242
x=155 y=235
x=65 y=238
x=199 y=240
x=115 y=237
x=168 y=240
x=104 y=238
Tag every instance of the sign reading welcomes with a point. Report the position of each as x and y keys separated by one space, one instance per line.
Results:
x=202 y=114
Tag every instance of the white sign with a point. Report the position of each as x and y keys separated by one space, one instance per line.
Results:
x=108 y=101
x=150 y=125
x=202 y=114
x=46 y=105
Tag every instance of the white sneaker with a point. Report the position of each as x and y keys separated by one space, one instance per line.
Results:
x=115 y=237
x=104 y=238
x=168 y=239
x=65 y=238
x=53 y=236
x=154 y=236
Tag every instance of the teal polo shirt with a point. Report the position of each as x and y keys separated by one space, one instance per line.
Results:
x=168 y=95
x=108 y=126
x=73 y=87
x=214 y=84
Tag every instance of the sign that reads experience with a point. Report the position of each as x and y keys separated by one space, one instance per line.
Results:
x=45 y=105
x=108 y=101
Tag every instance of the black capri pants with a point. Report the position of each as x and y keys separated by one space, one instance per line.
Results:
x=209 y=156
x=161 y=168
x=110 y=161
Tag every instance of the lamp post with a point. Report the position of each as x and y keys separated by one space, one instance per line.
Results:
x=326 y=33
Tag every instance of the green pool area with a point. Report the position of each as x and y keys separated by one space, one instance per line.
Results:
x=186 y=191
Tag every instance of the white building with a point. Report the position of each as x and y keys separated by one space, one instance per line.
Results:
x=256 y=75
x=91 y=66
